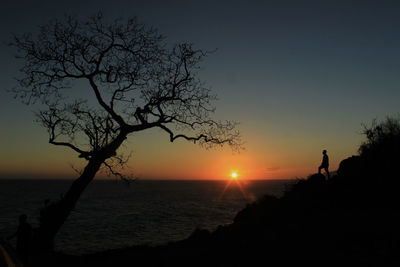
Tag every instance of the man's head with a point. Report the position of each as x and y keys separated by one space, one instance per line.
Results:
x=324 y=151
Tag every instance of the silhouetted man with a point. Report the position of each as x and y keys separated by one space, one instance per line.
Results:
x=24 y=235
x=324 y=164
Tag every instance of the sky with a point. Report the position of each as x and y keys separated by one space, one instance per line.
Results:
x=299 y=76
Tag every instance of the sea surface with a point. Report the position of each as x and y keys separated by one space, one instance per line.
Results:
x=112 y=214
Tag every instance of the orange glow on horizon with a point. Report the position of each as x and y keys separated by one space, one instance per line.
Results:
x=165 y=161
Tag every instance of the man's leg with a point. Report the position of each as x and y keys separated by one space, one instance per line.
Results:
x=327 y=172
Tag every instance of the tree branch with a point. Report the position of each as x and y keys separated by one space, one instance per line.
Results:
x=82 y=154
x=232 y=140
x=99 y=98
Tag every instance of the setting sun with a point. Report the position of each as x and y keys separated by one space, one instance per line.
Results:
x=234 y=175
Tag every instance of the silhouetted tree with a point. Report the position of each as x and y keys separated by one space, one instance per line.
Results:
x=380 y=152
x=98 y=82
x=382 y=138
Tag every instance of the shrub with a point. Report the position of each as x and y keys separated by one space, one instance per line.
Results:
x=383 y=140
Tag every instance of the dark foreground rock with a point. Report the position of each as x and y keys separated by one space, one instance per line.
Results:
x=351 y=219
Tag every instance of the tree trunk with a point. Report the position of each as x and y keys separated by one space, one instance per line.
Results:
x=53 y=216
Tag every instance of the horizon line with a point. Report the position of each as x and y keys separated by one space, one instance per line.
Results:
x=138 y=179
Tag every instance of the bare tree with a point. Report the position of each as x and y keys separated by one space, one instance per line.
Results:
x=98 y=82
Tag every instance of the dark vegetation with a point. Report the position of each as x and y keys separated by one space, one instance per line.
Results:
x=351 y=219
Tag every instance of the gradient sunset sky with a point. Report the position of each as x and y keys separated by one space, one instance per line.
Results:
x=300 y=76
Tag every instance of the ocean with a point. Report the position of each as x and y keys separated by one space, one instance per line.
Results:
x=111 y=214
